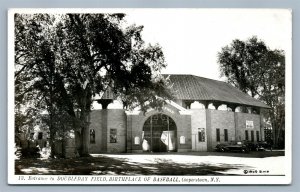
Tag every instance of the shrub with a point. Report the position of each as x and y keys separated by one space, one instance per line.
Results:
x=31 y=152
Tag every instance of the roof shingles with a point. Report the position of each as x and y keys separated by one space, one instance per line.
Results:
x=190 y=87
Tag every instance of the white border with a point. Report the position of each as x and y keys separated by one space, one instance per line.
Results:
x=52 y=179
x=10 y=96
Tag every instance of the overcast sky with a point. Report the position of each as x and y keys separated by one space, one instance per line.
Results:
x=191 y=38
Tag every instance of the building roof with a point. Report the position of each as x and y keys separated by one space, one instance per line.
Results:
x=190 y=87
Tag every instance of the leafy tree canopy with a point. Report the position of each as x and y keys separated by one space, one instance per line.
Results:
x=259 y=71
x=62 y=61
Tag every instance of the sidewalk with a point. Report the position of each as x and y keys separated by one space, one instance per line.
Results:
x=252 y=154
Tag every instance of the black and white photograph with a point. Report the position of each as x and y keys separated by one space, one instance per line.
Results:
x=149 y=96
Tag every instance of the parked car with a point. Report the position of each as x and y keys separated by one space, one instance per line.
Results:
x=252 y=146
x=263 y=145
x=221 y=147
x=237 y=147
x=232 y=147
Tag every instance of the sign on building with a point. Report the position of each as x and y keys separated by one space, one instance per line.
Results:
x=249 y=125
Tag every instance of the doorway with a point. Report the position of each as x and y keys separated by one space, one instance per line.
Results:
x=159 y=134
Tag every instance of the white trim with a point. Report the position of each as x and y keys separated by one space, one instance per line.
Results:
x=185 y=112
x=132 y=112
x=182 y=110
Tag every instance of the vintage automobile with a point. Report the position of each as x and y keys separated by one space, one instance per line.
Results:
x=232 y=147
x=251 y=145
x=243 y=146
x=263 y=145
x=237 y=147
x=221 y=147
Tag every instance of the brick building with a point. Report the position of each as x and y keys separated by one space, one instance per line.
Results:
x=224 y=114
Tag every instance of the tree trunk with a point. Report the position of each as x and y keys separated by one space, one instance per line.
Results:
x=82 y=141
x=274 y=128
x=280 y=136
x=84 y=132
x=85 y=141
x=52 y=144
x=52 y=133
x=78 y=142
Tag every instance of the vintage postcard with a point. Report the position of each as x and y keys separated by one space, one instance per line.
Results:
x=149 y=96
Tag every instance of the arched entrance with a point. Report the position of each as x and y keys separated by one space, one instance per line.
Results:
x=159 y=134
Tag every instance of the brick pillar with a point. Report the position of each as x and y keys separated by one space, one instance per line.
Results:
x=262 y=127
x=104 y=130
x=129 y=134
x=236 y=127
x=208 y=130
x=104 y=103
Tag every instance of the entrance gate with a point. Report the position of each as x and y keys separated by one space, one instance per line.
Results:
x=159 y=134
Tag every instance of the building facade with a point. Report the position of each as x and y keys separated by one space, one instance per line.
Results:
x=224 y=114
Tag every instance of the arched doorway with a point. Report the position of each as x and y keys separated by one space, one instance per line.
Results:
x=159 y=134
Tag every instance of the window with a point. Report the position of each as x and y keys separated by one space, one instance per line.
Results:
x=136 y=140
x=252 y=136
x=201 y=135
x=40 y=135
x=218 y=134
x=249 y=125
x=225 y=134
x=257 y=136
x=113 y=136
x=164 y=117
x=182 y=139
x=92 y=136
x=246 y=135
x=31 y=136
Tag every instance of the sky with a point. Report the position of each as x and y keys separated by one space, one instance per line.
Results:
x=191 y=38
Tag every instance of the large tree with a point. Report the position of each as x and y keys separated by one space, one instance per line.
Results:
x=62 y=61
x=259 y=71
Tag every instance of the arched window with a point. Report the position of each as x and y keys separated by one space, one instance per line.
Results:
x=197 y=105
x=92 y=136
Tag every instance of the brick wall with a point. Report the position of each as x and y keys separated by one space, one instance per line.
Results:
x=130 y=126
x=96 y=124
x=241 y=125
x=135 y=123
x=221 y=120
x=235 y=123
x=134 y=129
x=198 y=121
x=184 y=129
x=102 y=121
x=116 y=120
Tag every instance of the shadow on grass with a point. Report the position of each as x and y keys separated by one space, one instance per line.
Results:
x=103 y=165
